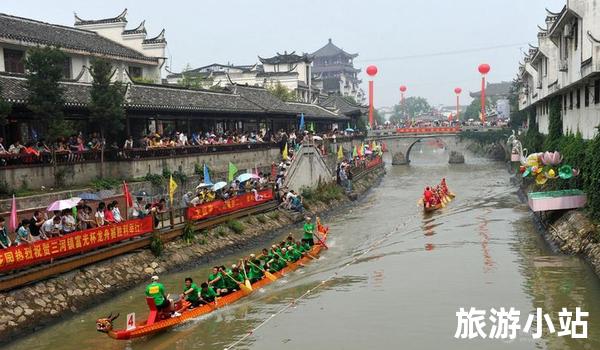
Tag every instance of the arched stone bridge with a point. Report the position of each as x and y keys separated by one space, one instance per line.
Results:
x=400 y=141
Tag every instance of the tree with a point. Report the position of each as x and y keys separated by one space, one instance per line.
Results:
x=194 y=80
x=106 y=103
x=473 y=110
x=44 y=71
x=415 y=106
x=554 y=125
x=282 y=92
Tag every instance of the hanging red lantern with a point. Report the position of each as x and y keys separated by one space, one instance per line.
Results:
x=372 y=70
x=484 y=68
x=457 y=91
x=402 y=88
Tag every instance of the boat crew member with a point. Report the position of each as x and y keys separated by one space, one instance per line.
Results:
x=207 y=294
x=235 y=278
x=156 y=290
x=254 y=273
x=216 y=280
x=427 y=197
x=275 y=264
x=309 y=229
x=190 y=293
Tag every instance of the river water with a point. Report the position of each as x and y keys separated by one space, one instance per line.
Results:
x=395 y=278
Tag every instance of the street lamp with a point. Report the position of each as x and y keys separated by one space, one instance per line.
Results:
x=457 y=91
x=371 y=71
x=484 y=69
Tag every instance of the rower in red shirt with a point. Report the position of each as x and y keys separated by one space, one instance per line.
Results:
x=427 y=197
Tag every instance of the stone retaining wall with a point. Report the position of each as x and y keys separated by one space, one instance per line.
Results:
x=28 y=308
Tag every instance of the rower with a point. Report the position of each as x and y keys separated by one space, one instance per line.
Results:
x=309 y=230
x=235 y=278
x=216 y=280
x=190 y=293
x=207 y=294
x=254 y=272
x=275 y=264
x=427 y=197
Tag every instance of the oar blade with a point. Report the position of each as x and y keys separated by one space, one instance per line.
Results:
x=248 y=284
x=245 y=289
x=270 y=276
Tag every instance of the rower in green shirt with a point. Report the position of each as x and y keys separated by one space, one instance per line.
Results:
x=190 y=293
x=309 y=229
x=254 y=273
x=276 y=264
x=216 y=280
x=207 y=294
x=233 y=279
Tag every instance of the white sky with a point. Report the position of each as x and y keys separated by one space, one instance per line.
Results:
x=382 y=32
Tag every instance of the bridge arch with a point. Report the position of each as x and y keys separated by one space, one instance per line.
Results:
x=418 y=140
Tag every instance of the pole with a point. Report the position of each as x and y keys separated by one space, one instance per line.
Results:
x=457 y=107
x=483 y=100
x=371 y=103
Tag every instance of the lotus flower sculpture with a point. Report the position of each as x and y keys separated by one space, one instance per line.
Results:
x=551 y=158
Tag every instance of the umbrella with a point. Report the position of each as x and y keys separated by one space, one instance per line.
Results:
x=64 y=204
x=88 y=196
x=350 y=130
x=219 y=185
x=247 y=176
x=202 y=185
x=318 y=138
x=368 y=151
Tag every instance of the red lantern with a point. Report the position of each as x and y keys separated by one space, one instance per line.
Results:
x=372 y=70
x=457 y=91
x=402 y=88
x=484 y=68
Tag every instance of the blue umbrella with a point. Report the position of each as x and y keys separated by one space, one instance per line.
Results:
x=246 y=177
x=350 y=130
x=88 y=196
x=219 y=185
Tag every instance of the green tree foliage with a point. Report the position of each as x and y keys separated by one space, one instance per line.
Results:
x=282 y=92
x=5 y=108
x=44 y=71
x=107 y=98
x=533 y=140
x=554 y=125
x=591 y=176
x=573 y=148
x=472 y=111
x=415 y=106
x=194 y=80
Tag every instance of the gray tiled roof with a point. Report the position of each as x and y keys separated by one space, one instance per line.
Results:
x=286 y=58
x=14 y=89
x=36 y=32
x=501 y=89
x=342 y=105
x=314 y=111
x=331 y=50
x=119 y=18
x=263 y=98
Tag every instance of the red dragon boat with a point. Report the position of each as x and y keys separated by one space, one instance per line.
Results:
x=158 y=322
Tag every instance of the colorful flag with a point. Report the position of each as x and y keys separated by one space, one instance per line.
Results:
x=12 y=223
x=172 y=188
x=255 y=169
x=301 y=122
x=231 y=171
x=354 y=152
x=206 y=175
x=284 y=155
x=312 y=126
x=127 y=195
x=340 y=153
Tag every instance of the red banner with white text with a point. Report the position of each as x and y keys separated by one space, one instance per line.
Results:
x=374 y=162
x=73 y=243
x=220 y=207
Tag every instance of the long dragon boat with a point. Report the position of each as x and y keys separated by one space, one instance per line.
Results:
x=154 y=324
x=445 y=199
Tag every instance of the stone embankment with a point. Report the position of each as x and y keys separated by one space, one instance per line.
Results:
x=31 y=307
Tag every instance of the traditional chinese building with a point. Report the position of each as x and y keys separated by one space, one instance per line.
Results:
x=334 y=69
x=131 y=52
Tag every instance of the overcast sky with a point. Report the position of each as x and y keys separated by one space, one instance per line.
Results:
x=383 y=32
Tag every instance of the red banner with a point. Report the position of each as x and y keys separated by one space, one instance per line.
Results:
x=72 y=243
x=430 y=130
x=220 y=207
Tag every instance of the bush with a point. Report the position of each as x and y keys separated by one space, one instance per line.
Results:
x=155 y=179
x=486 y=137
x=221 y=231
x=105 y=184
x=156 y=245
x=275 y=215
x=179 y=177
x=261 y=218
x=591 y=176
x=324 y=192
x=235 y=226
x=188 y=232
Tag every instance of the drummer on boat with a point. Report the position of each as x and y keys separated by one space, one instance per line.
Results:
x=309 y=230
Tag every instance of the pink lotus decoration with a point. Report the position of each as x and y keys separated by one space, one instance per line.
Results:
x=551 y=158
x=575 y=172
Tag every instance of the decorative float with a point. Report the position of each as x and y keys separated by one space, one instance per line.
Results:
x=544 y=167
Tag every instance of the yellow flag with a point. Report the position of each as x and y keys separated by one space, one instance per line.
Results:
x=340 y=154
x=284 y=155
x=172 y=188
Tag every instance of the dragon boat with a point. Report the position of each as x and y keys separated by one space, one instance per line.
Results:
x=444 y=199
x=158 y=321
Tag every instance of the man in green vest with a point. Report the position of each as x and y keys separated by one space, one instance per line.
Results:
x=190 y=293
x=309 y=229
x=207 y=294
x=156 y=291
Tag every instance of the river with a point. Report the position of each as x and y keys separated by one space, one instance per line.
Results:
x=482 y=250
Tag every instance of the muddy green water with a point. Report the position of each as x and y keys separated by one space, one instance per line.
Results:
x=482 y=251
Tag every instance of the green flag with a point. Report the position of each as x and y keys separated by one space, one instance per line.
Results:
x=231 y=171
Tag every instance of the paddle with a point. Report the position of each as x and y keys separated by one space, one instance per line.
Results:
x=246 y=281
x=241 y=285
x=320 y=241
x=267 y=273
